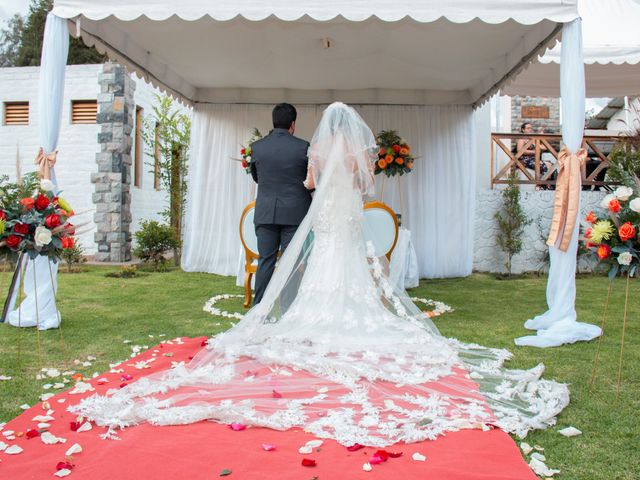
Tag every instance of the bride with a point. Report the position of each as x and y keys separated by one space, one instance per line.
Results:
x=332 y=347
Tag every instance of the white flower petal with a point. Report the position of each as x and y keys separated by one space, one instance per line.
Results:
x=85 y=427
x=50 y=439
x=13 y=450
x=418 y=457
x=305 y=450
x=314 y=443
x=367 y=467
x=3 y=446
x=63 y=472
x=570 y=432
x=539 y=468
x=75 y=448
x=538 y=456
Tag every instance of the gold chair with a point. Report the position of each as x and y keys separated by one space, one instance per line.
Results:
x=381 y=227
x=250 y=244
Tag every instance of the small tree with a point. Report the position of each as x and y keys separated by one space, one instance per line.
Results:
x=73 y=257
x=153 y=241
x=511 y=221
x=166 y=135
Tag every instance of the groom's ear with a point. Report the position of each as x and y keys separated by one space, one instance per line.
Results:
x=292 y=128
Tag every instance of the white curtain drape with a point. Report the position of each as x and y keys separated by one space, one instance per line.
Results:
x=40 y=272
x=438 y=196
x=558 y=324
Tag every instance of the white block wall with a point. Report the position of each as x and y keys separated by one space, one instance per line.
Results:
x=538 y=206
x=77 y=145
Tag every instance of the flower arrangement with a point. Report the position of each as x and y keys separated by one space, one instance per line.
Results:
x=245 y=152
x=613 y=238
x=394 y=154
x=33 y=220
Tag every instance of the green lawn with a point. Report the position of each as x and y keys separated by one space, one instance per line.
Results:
x=100 y=313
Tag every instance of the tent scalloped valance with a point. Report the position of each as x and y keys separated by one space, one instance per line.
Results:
x=422 y=11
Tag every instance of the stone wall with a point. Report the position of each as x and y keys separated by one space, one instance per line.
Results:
x=549 y=125
x=538 y=206
x=112 y=197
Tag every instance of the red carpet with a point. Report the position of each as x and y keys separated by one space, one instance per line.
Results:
x=204 y=450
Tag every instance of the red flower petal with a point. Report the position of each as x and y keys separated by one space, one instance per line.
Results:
x=63 y=465
x=123 y=384
x=74 y=426
x=376 y=459
x=355 y=447
x=382 y=454
x=307 y=462
x=236 y=427
x=204 y=343
x=32 y=433
x=394 y=454
x=126 y=377
x=275 y=394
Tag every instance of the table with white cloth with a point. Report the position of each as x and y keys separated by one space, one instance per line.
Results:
x=403 y=267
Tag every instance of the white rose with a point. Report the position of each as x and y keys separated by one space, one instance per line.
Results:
x=623 y=193
x=46 y=185
x=635 y=204
x=42 y=236
x=605 y=201
x=248 y=158
x=625 y=258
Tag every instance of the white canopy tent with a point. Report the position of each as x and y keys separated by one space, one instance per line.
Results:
x=425 y=63
x=611 y=54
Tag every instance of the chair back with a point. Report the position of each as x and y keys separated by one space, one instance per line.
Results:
x=381 y=228
x=248 y=233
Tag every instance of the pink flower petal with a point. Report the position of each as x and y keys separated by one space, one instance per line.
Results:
x=268 y=448
x=237 y=427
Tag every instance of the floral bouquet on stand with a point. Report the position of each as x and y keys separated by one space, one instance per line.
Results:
x=394 y=154
x=612 y=238
x=245 y=152
x=33 y=220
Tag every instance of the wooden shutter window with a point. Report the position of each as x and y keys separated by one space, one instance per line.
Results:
x=84 y=111
x=16 y=113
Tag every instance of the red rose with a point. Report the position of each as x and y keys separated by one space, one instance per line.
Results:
x=603 y=251
x=243 y=151
x=3 y=216
x=626 y=231
x=244 y=164
x=614 y=206
x=21 y=228
x=27 y=203
x=591 y=218
x=396 y=148
x=42 y=202
x=52 y=221
x=13 y=241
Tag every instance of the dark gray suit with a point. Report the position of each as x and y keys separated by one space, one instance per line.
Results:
x=279 y=166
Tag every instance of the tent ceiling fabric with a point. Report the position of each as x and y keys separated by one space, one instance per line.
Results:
x=611 y=45
x=320 y=51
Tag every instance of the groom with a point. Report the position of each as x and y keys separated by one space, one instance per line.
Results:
x=279 y=167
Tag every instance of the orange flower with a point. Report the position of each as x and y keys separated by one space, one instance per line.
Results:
x=591 y=218
x=626 y=231
x=614 y=206
x=399 y=160
x=28 y=203
x=404 y=152
x=603 y=251
x=382 y=164
x=388 y=159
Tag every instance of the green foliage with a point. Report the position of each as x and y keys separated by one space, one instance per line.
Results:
x=73 y=257
x=154 y=240
x=624 y=163
x=511 y=221
x=168 y=132
x=12 y=192
x=127 y=271
x=21 y=41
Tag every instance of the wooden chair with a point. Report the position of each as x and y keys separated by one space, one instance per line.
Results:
x=381 y=227
x=250 y=244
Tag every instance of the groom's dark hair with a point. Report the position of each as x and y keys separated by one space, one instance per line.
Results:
x=284 y=115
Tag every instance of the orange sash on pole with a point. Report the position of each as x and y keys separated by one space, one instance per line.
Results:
x=45 y=163
x=567 y=199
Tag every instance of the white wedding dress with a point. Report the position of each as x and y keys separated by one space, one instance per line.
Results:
x=332 y=347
